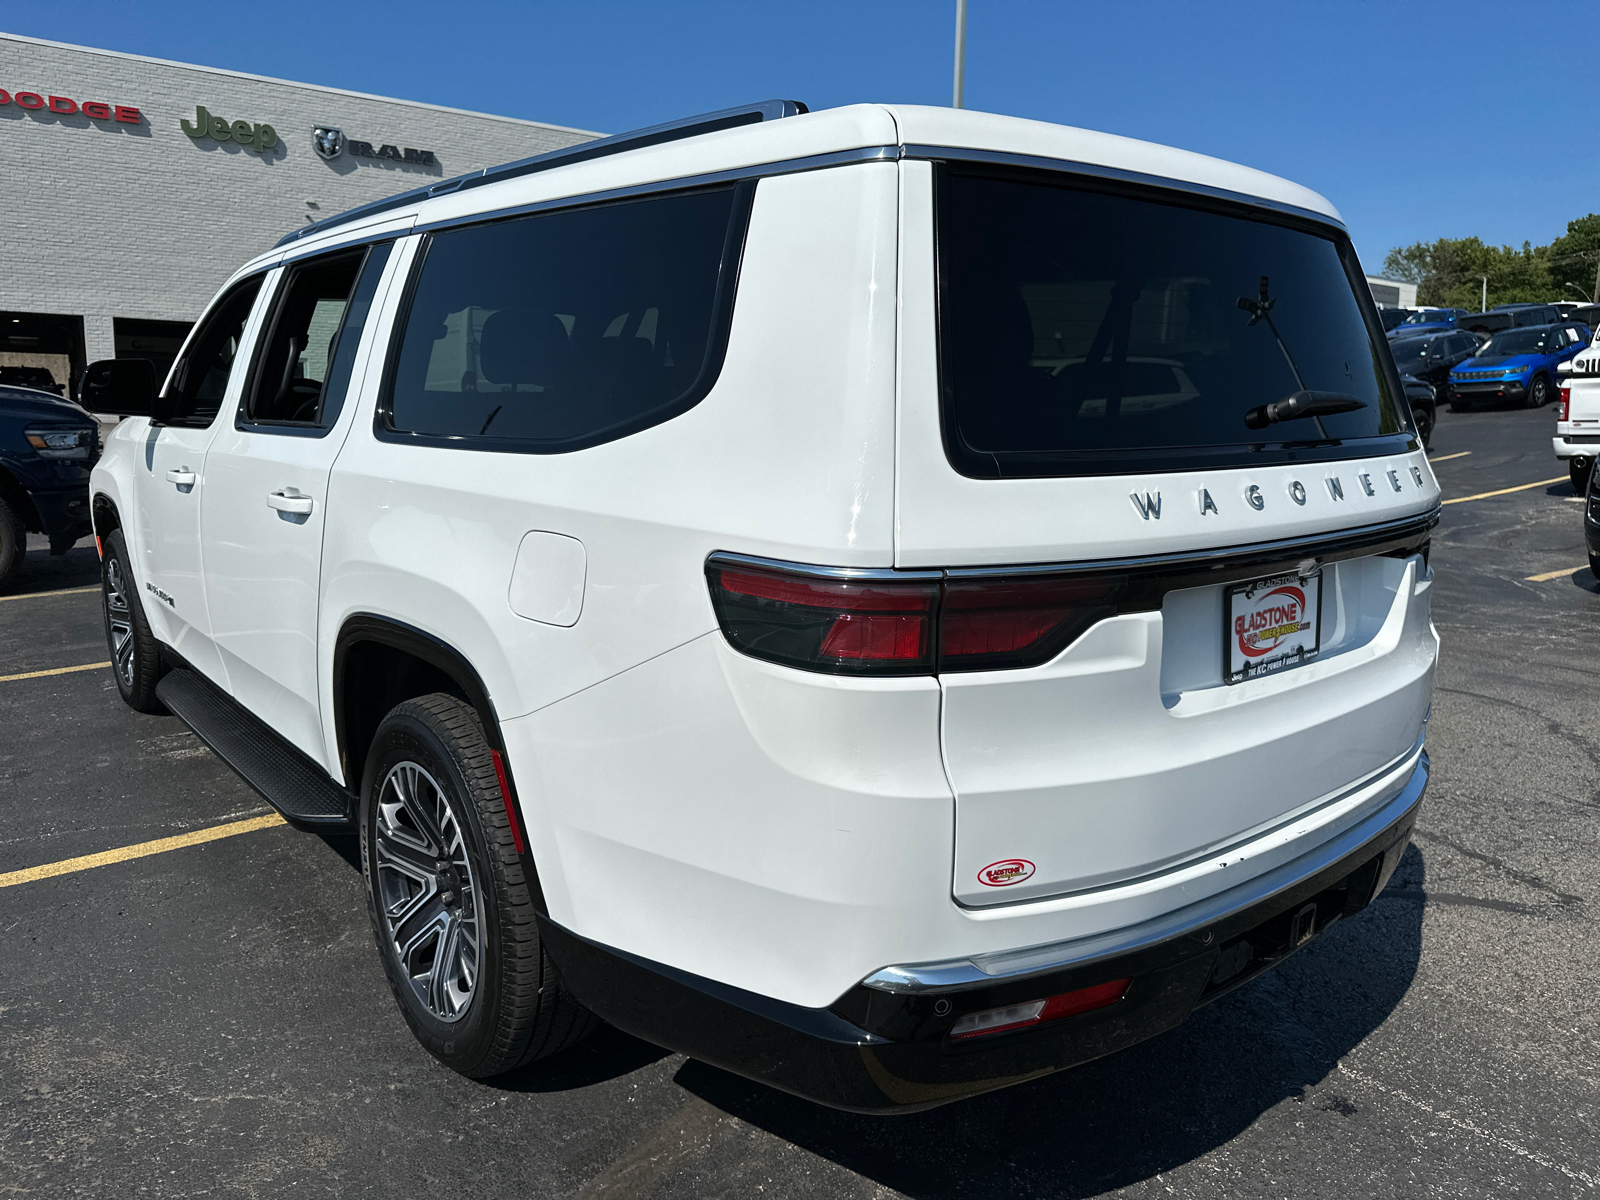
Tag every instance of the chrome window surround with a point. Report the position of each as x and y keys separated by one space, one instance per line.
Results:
x=1191 y=920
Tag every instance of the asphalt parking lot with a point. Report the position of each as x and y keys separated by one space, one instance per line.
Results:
x=213 y=1020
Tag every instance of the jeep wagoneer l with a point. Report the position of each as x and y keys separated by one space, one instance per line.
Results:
x=890 y=601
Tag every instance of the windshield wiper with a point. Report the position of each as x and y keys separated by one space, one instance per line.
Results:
x=1302 y=404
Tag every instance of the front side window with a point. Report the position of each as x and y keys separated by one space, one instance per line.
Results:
x=200 y=380
x=309 y=351
x=1094 y=332
x=562 y=330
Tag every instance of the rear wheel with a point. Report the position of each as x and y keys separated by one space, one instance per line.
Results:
x=1538 y=394
x=13 y=544
x=451 y=907
x=1425 y=415
x=135 y=657
x=1579 y=470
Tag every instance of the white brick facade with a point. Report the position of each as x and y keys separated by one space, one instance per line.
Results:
x=109 y=218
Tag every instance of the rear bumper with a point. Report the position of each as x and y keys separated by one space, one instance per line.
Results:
x=883 y=1046
x=1576 y=445
x=1494 y=389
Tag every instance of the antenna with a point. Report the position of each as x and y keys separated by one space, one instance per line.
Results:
x=961 y=53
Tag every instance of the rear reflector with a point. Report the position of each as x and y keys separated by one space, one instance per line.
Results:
x=1039 y=1012
x=918 y=624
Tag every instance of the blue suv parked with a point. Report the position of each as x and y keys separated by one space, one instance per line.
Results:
x=1518 y=365
x=1428 y=320
x=47 y=446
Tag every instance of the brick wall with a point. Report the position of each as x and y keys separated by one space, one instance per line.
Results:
x=111 y=219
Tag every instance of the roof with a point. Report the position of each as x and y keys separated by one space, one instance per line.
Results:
x=797 y=140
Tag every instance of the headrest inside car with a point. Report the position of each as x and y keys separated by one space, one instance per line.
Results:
x=519 y=345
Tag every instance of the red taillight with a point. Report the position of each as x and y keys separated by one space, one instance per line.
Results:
x=862 y=626
x=993 y=623
x=1564 y=404
x=905 y=623
x=1038 y=1012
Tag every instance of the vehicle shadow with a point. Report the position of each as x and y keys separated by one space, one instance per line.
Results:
x=43 y=572
x=1142 y=1112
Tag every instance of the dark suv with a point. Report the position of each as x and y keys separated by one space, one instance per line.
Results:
x=47 y=446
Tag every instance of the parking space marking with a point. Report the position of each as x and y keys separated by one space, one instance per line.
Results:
x=139 y=850
x=52 y=671
x=1448 y=457
x=1472 y=1128
x=1521 y=487
x=1564 y=573
x=41 y=595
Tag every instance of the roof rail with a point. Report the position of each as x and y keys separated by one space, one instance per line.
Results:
x=671 y=131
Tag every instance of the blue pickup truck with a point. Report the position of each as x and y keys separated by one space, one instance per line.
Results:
x=47 y=446
x=1518 y=365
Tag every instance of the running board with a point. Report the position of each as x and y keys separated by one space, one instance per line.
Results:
x=286 y=778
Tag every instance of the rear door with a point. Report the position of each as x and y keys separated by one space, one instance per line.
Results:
x=1084 y=375
x=172 y=483
x=263 y=515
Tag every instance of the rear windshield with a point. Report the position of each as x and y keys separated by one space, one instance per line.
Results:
x=1088 y=332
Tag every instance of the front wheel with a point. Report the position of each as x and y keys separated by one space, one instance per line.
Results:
x=451 y=907
x=1579 y=470
x=135 y=657
x=1538 y=392
x=13 y=544
x=1425 y=416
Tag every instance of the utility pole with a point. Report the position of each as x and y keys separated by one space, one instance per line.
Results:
x=961 y=51
x=1596 y=286
x=1483 y=304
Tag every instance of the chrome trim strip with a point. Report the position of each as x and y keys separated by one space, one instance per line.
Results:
x=842 y=574
x=1283 y=547
x=1095 y=170
x=1010 y=965
x=790 y=166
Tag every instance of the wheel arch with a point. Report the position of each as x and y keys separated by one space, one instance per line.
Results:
x=379 y=662
x=15 y=495
x=103 y=512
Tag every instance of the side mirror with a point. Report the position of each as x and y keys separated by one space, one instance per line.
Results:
x=122 y=387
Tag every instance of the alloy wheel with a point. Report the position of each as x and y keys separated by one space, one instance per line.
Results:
x=119 y=621
x=432 y=911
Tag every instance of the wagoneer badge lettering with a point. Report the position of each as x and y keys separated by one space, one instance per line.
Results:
x=1005 y=872
x=1149 y=505
x=1254 y=498
x=1297 y=492
x=1207 y=504
x=1366 y=483
x=1394 y=480
x=1335 y=487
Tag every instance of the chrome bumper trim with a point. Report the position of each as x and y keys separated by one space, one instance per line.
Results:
x=1042 y=960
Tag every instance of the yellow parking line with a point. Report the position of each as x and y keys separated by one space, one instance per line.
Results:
x=1521 y=487
x=1564 y=573
x=62 y=592
x=52 y=671
x=1448 y=457
x=139 y=850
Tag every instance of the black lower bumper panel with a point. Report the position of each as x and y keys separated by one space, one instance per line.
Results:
x=875 y=1051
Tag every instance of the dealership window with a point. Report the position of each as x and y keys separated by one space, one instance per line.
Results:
x=563 y=330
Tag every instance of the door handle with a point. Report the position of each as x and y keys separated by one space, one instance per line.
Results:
x=289 y=500
x=183 y=477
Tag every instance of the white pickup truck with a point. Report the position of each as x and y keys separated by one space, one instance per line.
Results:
x=1577 y=438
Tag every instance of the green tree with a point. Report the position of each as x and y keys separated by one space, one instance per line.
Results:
x=1449 y=271
x=1574 y=257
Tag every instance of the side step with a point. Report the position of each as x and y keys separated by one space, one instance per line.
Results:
x=286 y=778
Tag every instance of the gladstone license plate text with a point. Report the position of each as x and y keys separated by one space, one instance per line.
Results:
x=1272 y=624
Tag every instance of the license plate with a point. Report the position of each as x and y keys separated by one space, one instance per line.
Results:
x=1273 y=623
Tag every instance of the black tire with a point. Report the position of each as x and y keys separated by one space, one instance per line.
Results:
x=441 y=866
x=1579 y=470
x=1538 y=394
x=13 y=545
x=135 y=655
x=1594 y=565
x=1425 y=417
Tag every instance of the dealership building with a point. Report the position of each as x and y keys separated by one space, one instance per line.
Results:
x=139 y=185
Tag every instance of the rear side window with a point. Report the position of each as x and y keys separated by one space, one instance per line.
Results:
x=200 y=379
x=562 y=330
x=1096 y=332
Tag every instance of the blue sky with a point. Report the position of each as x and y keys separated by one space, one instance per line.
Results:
x=1417 y=120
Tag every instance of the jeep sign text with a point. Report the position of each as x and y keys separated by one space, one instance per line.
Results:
x=260 y=136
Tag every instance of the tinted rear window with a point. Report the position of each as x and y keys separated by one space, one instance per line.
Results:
x=1088 y=332
x=562 y=330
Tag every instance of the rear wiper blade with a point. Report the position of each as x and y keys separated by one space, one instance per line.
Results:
x=1302 y=404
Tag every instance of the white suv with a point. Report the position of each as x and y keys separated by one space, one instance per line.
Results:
x=890 y=601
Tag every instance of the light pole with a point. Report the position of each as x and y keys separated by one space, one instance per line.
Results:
x=1581 y=292
x=1483 y=304
x=961 y=51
